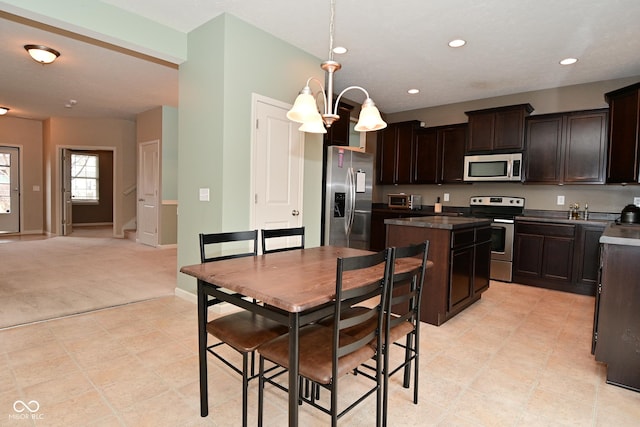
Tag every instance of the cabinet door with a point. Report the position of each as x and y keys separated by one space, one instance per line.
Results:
x=387 y=155
x=481 y=132
x=453 y=141
x=585 y=147
x=404 y=159
x=427 y=157
x=509 y=130
x=544 y=149
x=338 y=133
x=528 y=255
x=623 y=138
x=482 y=265
x=461 y=276
x=557 y=260
x=587 y=266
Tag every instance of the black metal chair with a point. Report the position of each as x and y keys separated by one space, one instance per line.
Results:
x=243 y=331
x=402 y=319
x=326 y=353
x=282 y=236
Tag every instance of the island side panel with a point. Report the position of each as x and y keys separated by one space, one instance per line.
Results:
x=433 y=308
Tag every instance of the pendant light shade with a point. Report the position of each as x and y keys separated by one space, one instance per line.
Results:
x=42 y=54
x=369 y=119
x=314 y=126
x=304 y=108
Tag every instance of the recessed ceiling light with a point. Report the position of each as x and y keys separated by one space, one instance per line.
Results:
x=413 y=91
x=339 y=50
x=568 y=61
x=3 y=111
x=457 y=43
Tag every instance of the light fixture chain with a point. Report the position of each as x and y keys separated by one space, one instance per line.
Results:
x=331 y=27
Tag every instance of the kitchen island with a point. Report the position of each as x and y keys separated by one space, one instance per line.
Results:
x=616 y=329
x=460 y=249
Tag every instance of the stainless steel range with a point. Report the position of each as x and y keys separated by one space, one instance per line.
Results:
x=502 y=211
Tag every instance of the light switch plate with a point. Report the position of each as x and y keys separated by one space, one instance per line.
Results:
x=636 y=201
x=204 y=194
x=446 y=197
x=560 y=201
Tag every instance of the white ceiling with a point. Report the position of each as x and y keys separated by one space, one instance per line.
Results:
x=513 y=46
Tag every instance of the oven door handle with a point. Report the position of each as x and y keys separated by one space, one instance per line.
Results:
x=504 y=221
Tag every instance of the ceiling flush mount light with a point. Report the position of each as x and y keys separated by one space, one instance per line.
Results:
x=305 y=110
x=457 y=43
x=413 y=91
x=42 y=54
x=568 y=61
x=3 y=111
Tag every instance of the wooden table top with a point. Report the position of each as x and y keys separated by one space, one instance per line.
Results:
x=293 y=281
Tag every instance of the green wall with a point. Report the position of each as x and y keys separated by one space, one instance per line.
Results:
x=228 y=60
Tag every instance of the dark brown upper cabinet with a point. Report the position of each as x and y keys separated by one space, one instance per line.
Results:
x=497 y=129
x=439 y=154
x=395 y=152
x=568 y=148
x=624 y=135
x=338 y=133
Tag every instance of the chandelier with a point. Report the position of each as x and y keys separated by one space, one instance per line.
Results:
x=314 y=119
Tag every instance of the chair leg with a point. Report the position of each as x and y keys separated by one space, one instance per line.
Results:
x=245 y=387
x=260 y=391
x=407 y=360
x=385 y=383
x=416 y=367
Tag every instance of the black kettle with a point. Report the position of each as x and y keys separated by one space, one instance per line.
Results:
x=630 y=215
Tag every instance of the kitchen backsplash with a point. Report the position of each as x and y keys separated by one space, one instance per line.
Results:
x=601 y=198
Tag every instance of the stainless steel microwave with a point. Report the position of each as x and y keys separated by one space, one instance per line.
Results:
x=493 y=167
x=405 y=201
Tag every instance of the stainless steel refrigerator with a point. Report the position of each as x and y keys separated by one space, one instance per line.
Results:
x=348 y=193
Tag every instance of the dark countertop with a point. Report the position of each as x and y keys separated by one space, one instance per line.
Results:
x=557 y=220
x=621 y=234
x=444 y=222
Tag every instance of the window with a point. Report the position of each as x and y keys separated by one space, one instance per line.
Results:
x=84 y=178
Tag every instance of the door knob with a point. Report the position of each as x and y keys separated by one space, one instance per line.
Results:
x=295 y=212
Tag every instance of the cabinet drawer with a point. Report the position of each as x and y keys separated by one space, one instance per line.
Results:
x=462 y=238
x=560 y=230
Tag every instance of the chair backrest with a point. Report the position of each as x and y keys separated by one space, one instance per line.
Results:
x=241 y=239
x=378 y=275
x=405 y=288
x=282 y=235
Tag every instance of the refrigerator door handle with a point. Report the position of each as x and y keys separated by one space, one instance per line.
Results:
x=350 y=205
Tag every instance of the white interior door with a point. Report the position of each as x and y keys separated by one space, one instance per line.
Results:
x=278 y=159
x=9 y=190
x=148 y=188
x=67 y=205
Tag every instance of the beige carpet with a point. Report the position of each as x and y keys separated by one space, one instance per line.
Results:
x=48 y=278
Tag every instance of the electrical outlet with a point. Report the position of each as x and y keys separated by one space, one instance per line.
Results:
x=636 y=201
x=446 y=197
x=560 y=201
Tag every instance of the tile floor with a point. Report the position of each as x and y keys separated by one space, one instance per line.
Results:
x=518 y=357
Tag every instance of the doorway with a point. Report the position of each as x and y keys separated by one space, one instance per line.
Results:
x=278 y=163
x=9 y=190
x=87 y=189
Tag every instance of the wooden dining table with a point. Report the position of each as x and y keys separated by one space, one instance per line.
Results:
x=294 y=288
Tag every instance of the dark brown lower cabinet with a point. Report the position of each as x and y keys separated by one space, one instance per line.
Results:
x=460 y=272
x=617 y=319
x=562 y=257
